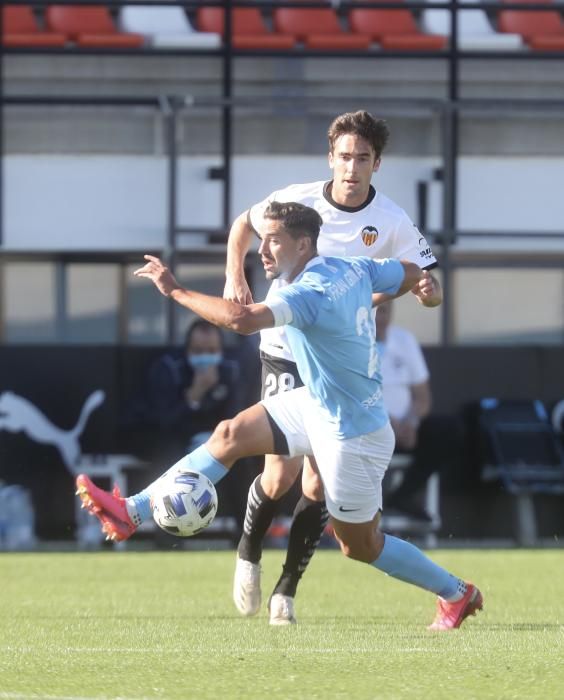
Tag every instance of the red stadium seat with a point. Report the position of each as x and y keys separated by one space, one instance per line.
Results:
x=249 y=30
x=19 y=28
x=89 y=26
x=394 y=29
x=318 y=28
x=543 y=30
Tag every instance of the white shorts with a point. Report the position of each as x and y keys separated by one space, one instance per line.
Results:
x=352 y=470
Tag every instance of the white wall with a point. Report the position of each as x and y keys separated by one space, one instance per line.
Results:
x=119 y=203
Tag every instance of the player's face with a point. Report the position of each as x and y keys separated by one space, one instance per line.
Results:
x=280 y=254
x=352 y=161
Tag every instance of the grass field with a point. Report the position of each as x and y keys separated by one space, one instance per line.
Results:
x=162 y=625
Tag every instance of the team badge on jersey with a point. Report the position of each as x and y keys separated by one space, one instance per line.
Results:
x=369 y=235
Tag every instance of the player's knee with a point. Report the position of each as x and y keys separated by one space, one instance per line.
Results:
x=227 y=434
x=278 y=478
x=275 y=485
x=312 y=487
x=356 y=552
x=363 y=547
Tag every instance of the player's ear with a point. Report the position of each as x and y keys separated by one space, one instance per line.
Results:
x=376 y=165
x=330 y=159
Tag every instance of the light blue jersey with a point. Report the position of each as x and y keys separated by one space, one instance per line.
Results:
x=332 y=336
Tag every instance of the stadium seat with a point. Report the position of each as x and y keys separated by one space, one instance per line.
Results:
x=475 y=32
x=521 y=450
x=543 y=30
x=165 y=27
x=249 y=30
x=318 y=28
x=89 y=26
x=20 y=28
x=394 y=29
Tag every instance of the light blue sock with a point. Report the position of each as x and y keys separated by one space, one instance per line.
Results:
x=200 y=460
x=406 y=562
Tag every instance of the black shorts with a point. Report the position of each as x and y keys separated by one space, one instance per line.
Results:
x=278 y=375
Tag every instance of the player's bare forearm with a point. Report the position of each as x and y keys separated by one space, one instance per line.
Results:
x=241 y=318
x=380 y=298
x=238 y=244
x=412 y=276
x=428 y=290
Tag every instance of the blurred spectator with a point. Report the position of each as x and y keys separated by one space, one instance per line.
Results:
x=190 y=389
x=187 y=392
x=433 y=440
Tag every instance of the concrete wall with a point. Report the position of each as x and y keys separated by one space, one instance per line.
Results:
x=289 y=103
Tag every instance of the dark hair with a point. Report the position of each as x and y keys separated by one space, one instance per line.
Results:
x=297 y=219
x=362 y=124
x=201 y=325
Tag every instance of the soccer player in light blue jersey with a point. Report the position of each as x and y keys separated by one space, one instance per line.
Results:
x=358 y=219
x=337 y=416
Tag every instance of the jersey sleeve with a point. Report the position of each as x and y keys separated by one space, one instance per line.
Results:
x=281 y=310
x=387 y=275
x=296 y=305
x=410 y=244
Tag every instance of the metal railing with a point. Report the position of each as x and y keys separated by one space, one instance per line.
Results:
x=448 y=110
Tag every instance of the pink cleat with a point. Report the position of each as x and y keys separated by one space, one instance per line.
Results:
x=109 y=508
x=450 y=616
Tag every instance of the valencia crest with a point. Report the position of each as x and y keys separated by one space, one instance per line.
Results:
x=369 y=235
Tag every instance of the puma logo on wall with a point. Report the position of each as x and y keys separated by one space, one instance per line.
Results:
x=18 y=414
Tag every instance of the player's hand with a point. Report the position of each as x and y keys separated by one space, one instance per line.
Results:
x=427 y=290
x=159 y=274
x=237 y=290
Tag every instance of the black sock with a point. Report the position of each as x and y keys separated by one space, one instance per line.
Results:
x=310 y=518
x=258 y=518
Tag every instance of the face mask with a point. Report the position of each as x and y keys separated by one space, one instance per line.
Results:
x=204 y=360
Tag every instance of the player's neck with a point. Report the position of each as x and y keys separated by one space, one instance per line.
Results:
x=300 y=267
x=344 y=198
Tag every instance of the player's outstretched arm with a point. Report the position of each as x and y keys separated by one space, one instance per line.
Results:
x=241 y=318
x=238 y=244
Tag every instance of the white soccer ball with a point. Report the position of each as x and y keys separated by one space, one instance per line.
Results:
x=185 y=504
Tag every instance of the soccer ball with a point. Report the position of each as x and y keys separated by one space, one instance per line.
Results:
x=184 y=505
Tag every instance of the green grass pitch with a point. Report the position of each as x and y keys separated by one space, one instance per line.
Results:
x=162 y=625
